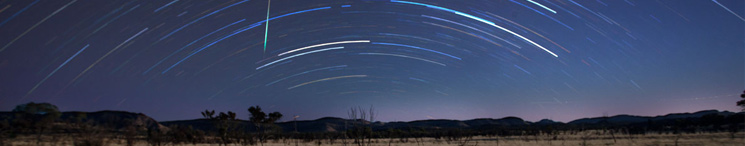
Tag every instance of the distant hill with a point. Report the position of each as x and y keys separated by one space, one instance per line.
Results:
x=333 y=124
x=546 y=122
x=629 y=119
x=115 y=120
x=326 y=124
x=119 y=120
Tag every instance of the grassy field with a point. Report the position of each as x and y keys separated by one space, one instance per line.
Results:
x=578 y=139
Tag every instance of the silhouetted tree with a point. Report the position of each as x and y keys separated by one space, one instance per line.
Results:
x=38 y=116
x=741 y=103
x=208 y=114
x=734 y=123
x=184 y=134
x=225 y=125
x=223 y=122
x=261 y=120
x=86 y=132
x=155 y=137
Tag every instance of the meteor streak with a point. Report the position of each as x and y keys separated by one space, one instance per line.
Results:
x=266 y=30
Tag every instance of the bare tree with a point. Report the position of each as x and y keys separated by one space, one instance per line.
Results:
x=361 y=124
x=294 y=134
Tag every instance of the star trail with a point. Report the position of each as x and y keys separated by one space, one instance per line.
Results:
x=412 y=60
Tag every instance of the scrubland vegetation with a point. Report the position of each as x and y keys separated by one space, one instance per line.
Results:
x=42 y=124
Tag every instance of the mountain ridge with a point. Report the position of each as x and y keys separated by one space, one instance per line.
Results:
x=333 y=124
x=122 y=119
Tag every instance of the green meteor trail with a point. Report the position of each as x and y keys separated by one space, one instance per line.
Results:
x=266 y=30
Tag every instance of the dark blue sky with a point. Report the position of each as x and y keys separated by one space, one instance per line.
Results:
x=411 y=60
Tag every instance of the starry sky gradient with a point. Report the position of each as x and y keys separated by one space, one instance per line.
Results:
x=411 y=60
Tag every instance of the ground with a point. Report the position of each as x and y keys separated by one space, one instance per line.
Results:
x=577 y=139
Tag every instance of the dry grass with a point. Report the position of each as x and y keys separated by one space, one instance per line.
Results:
x=594 y=138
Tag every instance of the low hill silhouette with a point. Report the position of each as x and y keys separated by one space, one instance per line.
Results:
x=112 y=120
x=334 y=124
x=118 y=120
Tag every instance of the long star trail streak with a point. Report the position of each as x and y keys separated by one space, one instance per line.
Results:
x=419 y=48
x=539 y=12
x=536 y=33
x=481 y=20
x=728 y=10
x=192 y=42
x=109 y=14
x=466 y=26
x=542 y=6
x=518 y=67
x=205 y=47
x=200 y=18
x=562 y=8
x=467 y=33
x=418 y=79
x=266 y=30
x=324 y=44
x=296 y=55
x=293 y=13
x=305 y=72
x=164 y=6
x=16 y=14
x=326 y=79
x=404 y=56
x=112 y=20
x=242 y=30
x=35 y=25
x=54 y=71
x=583 y=7
x=105 y=55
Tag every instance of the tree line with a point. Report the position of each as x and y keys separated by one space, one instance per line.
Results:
x=42 y=122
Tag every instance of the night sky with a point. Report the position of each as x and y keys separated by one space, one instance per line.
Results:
x=411 y=60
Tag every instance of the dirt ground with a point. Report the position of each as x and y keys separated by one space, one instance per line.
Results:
x=579 y=139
